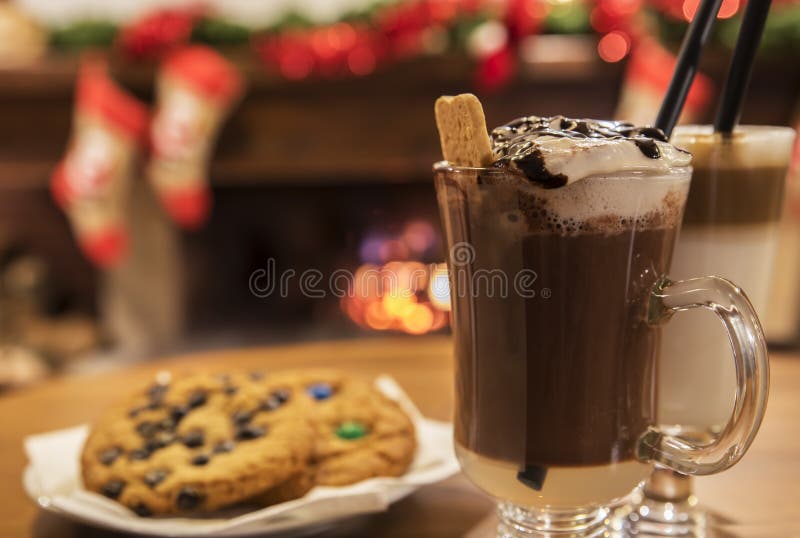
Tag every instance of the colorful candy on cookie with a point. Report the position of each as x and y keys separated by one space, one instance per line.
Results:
x=320 y=391
x=351 y=430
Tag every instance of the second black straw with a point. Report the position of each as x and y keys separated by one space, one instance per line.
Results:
x=686 y=67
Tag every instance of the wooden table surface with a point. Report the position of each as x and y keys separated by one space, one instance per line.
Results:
x=759 y=497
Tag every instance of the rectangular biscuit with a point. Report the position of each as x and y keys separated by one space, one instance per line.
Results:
x=462 y=130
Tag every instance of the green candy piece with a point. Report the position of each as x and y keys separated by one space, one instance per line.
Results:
x=351 y=430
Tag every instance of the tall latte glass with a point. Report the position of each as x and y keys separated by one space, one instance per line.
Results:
x=558 y=298
x=730 y=228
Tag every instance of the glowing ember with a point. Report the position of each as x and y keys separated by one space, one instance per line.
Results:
x=377 y=318
x=439 y=288
x=391 y=292
x=419 y=236
x=419 y=319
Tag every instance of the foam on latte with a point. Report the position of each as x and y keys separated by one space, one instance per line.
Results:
x=556 y=151
x=748 y=147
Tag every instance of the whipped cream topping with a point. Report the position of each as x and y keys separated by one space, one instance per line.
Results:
x=555 y=151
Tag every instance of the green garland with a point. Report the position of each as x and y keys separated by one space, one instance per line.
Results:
x=219 y=32
x=84 y=34
x=570 y=18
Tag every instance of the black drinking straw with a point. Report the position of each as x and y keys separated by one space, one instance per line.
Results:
x=686 y=68
x=730 y=108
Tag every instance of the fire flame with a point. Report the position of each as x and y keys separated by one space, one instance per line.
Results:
x=388 y=293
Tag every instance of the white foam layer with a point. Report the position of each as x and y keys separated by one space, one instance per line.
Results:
x=751 y=146
x=635 y=199
x=579 y=159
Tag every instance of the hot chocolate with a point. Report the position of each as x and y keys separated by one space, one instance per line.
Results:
x=555 y=382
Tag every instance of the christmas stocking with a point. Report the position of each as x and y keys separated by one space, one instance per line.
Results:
x=91 y=183
x=195 y=90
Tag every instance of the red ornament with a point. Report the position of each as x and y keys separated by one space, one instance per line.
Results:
x=290 y=53
x=329 y=51
x=524 y=17
x=397 y=31
x=496 y=70
x=403 y=26
x=155 y=35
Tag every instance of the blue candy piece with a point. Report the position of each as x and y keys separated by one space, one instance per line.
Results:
x=320 y=391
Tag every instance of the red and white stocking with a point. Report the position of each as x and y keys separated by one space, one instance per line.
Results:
x=92 y=182
x=196 y=88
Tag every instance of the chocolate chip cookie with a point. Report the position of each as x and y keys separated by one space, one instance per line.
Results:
x=360 y=433
x=201 y=442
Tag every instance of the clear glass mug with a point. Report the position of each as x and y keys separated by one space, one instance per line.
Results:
x=730 y=228
x=558 y=296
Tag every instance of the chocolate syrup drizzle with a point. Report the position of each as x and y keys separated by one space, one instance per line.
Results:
x=515 y=142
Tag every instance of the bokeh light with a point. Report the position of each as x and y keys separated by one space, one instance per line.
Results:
x=728 y=9
x=297 y=65
x=392 y=290
x=361 y=61
x=439 y=288
x=613 y=46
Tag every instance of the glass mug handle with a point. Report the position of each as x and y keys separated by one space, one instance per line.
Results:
x=749 y=348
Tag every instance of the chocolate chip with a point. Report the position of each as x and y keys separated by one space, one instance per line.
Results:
x=156 y=396
x=188 y=498
x=201 y=459
x=197 y=399
x=147 y=428
x=168 y=424
x=178 y=412
x=194 y=439
x=224 y=446
x=157 y=391
x=270 y=404
x=282 y=395
x=241 y=418
x=250 y=431
x=154 y=477
x=230 y=390
x=152 y=445
x=142 y=510
x=139 y=454
x=108 y=456
x=112 y=488
x=256 y=376
x=133 y=413
x=160 y=440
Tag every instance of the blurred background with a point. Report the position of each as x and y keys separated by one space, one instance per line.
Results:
x=325 y=161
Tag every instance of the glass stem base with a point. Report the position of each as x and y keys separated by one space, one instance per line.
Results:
x=666 y=506
x=522 y=522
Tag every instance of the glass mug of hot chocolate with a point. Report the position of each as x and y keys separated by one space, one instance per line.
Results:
x=730 y=228
x=559 y=250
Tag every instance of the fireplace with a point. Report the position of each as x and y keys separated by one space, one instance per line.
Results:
x=323 y=176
